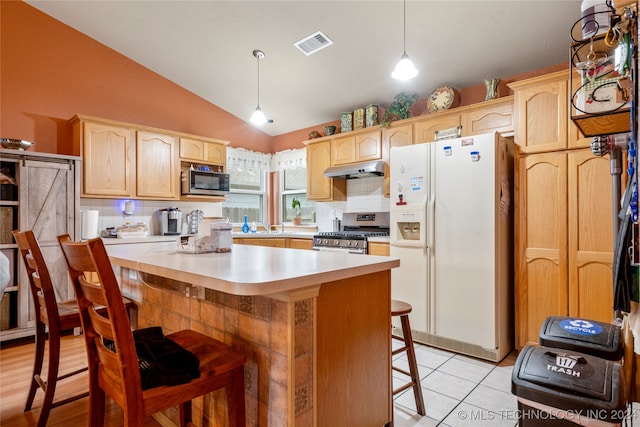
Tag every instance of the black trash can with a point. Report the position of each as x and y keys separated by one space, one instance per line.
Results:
x=558 y=387
x=584 y=335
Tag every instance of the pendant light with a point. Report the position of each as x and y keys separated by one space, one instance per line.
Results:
x=258 y=117
x=405 y=69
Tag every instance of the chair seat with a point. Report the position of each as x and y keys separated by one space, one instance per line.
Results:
x=400 y=308
x=211 y=352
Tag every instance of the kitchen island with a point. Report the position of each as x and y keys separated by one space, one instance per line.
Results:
x=315 y=326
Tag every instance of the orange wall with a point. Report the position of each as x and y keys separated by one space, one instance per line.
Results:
x=49 y=72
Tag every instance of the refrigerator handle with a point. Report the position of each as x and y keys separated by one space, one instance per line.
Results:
x=431 y=212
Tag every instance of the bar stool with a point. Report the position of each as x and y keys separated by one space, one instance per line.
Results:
x=402 y=309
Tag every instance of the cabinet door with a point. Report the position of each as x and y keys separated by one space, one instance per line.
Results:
x=343 y=150
x=215 y=153
x=425 y=130
x=394 y=136
x=318 y=186
x=274 y=243
x=157 y=165
x=48 y=203
x=301 y=244
x=368 y=146
x=541 y=111
x=191 y=149
x=106 y=154
x=541 y=287
x=489 y=117
x=376 y=248
x=590 y=236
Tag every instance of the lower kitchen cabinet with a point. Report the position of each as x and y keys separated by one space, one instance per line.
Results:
x=563 y=239
x=47 y=203
x=378 y=248
x=300 y=244
x=276 y=242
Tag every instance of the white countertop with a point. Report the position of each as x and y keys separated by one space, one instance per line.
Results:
x=247 y=269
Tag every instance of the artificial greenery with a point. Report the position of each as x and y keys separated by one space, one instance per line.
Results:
x=399 y=109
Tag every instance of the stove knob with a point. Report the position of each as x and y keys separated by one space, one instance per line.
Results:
x=336 y=242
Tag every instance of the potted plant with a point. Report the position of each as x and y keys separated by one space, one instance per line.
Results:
x=295 y=204
x=399 y=109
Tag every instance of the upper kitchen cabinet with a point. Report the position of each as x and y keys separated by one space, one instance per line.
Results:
x=157 y=167
x=541 y=112
x=396 y=135
x=319 y=187
x=127 y=160
x=208 y=151
x=356 y=147
x=495 y=115
x=425 y=127
x=106 y=149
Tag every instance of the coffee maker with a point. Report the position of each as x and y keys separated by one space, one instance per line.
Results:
x=171 y=221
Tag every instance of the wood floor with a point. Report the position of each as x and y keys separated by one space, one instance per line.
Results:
x=16 y=367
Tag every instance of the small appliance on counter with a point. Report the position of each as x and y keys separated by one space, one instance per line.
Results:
x=130 y=231
x=171 y=221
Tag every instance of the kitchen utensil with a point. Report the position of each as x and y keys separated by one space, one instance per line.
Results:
x=193 y=219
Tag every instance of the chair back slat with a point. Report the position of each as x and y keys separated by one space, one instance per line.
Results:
x=118 y=369
x=40 y=283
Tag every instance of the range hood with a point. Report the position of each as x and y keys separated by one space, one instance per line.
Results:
x=356 y=170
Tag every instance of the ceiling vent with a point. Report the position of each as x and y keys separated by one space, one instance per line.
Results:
x=313 y=43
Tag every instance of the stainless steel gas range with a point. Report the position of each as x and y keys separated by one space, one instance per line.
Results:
x=355 y=232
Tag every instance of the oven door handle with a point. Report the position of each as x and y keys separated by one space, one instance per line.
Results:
x=350 y=250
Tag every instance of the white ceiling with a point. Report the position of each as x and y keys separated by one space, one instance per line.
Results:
x=206 y=47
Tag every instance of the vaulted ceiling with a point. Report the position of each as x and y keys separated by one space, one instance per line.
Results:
x=206 y=47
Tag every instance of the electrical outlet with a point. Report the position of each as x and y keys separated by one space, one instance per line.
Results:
x=201 y=291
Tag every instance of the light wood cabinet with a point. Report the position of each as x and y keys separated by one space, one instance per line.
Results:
x=396 y=135
x=495 y=115
x=275 y=242
x=356 y=148
x=107 y=157
x=378 y=248
x=204 y=151
x=541 y=112
x=564 y=239
x=157 y=167
x=426 y=127
x=590 y=214
x=48 y=197
x=300 y=244
x=319 y=187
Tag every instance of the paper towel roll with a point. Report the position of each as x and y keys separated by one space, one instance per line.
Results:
x=88 y=224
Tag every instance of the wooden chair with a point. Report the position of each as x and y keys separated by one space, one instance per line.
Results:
x=57 y=316
x=116 y=374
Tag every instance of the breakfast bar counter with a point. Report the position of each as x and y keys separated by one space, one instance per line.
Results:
x=315 y=326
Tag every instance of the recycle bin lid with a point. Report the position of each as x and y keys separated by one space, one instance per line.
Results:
x=584 y=335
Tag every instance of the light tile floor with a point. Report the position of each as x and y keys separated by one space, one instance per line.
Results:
x=461 y=391
x=458 y=390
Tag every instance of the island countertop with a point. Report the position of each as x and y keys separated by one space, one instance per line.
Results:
x=248 y=270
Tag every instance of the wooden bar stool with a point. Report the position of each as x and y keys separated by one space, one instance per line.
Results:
x=402 y=309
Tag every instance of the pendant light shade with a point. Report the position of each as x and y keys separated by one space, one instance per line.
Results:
x=405 y=69
x=258 y=117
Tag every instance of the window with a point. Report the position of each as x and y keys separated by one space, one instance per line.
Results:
x=247 y=195
x=294 y=185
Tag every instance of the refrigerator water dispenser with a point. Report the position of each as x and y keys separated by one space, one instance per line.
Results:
x=409 y=230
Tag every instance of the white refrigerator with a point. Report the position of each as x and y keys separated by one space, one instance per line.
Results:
x=451 y=225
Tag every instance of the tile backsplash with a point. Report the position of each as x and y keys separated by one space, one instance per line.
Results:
x=363 y=195
x=110 y=212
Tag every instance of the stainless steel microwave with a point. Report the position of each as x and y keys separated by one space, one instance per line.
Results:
x=205 y=183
